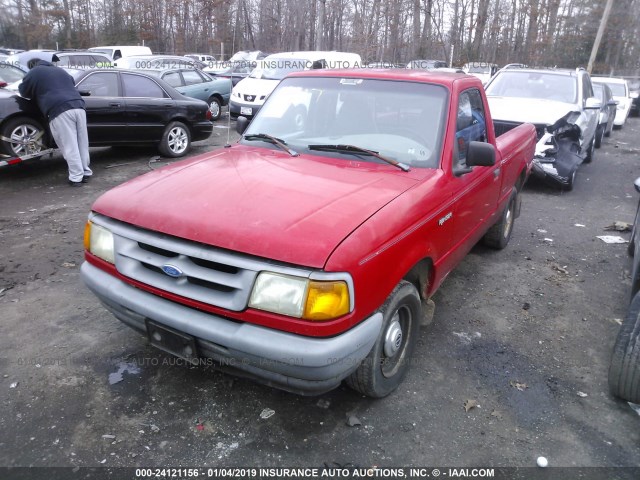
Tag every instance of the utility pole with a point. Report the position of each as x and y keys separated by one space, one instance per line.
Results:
x=596 y=44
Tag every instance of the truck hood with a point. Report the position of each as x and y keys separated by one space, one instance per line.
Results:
x=259 y=202
x=531 y=110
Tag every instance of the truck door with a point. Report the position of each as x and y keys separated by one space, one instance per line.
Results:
x=478 y=191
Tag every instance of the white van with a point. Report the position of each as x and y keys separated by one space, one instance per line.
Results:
x=248 y=96
x=118 y=51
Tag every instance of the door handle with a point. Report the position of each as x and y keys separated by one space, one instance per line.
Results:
x=114 y=104
x=496 y=172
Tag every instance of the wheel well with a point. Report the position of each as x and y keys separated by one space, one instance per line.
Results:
x=420 y=276
x=48 y=139
x=218 y=96
x=184 y=122
x=521 y=179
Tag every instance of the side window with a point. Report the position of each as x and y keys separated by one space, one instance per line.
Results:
x=191 y=77
x=470 y=123
x=587 y=89
x=173 y=79
x=139 y=86
x=104 y=84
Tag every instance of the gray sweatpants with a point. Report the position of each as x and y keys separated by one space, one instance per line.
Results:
x=69 y=130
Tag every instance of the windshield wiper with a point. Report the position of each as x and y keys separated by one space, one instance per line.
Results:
x=275 y=140
x=359 y=151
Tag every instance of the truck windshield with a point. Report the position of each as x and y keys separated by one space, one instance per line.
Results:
x=540 y=85
x=402 y=121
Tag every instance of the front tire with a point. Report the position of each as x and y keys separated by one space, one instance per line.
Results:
x=383 y=369
x=176 y=140
x=571 y=181
x=22 y=130
x=624 y=370
x=498 y=235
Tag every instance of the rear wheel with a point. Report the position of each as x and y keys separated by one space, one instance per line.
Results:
x=624 y=370
x=599 y=135
x=498 y=235
x=215 y=107
x=176 y=140
x=26 y=134
x=383 y=369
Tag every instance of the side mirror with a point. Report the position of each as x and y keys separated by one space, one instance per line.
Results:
x=84 y=93
x=612 y=102
x=637 y=184
x=593 y=103
x=481 y=154
x=241 y=124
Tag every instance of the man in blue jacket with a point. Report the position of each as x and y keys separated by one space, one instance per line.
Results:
x=55 y=92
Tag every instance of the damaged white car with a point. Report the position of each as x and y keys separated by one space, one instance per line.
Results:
x=562 y=106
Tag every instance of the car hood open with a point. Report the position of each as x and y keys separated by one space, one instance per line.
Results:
x=259 y=202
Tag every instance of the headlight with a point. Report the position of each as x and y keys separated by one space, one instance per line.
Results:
x=300 y=297
x=99 y=241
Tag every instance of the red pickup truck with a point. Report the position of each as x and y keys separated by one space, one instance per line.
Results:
x=303 y=255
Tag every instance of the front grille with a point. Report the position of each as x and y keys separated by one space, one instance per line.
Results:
x=208 y=275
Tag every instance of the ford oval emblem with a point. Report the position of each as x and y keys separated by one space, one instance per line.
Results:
x=172 y=271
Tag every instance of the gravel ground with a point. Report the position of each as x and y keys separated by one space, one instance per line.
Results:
x=525 y=333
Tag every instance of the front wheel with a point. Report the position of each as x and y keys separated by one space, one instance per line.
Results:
x=26 y=135
x=571 y=180
x=498 y=235
x=383 y=369
x=624 y=370
x=215 y=107
x=176 y=140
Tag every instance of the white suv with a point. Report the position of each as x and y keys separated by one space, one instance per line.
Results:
x=562 y=106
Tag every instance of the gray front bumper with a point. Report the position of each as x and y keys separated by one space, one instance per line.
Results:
x=288 y=361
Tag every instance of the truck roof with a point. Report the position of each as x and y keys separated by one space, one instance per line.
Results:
x=426 y=76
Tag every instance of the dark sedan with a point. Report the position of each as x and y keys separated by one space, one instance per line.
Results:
x=123 y=108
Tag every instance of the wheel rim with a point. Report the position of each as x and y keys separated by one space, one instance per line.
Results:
x=178 y=140
x=396 y=337
x=22 y=134
x=214 y=108
x=508 y=221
